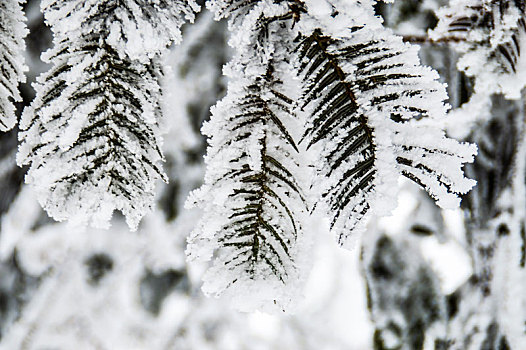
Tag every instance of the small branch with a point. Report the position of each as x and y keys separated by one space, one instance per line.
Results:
x=424 y=39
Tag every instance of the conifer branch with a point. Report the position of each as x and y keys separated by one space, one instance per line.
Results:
x=91 y=135
x=364 y=94
x=252 y=199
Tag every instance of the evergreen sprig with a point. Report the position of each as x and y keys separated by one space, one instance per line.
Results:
x=91 y=136
x=365 y=95
x=252 y=199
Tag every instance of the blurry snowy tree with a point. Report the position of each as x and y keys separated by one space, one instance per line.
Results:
x=325 y=110
x=476 y=47
x=403 y=292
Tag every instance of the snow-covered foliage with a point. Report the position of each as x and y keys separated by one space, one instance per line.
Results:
x=365 y=89
x=12 y=32
x=123 y=290
x=251 y=197
x=490 y=35
x=91 y=136
x=326 y=112
x=365 y=106
x=139 y=29
x=487 y=311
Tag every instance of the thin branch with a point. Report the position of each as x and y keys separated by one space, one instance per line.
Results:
x=424 y=39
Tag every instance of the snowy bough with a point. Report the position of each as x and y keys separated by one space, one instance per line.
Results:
x=365 y=93
x=252 y=199
x=91 y=136
x=364 y=105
